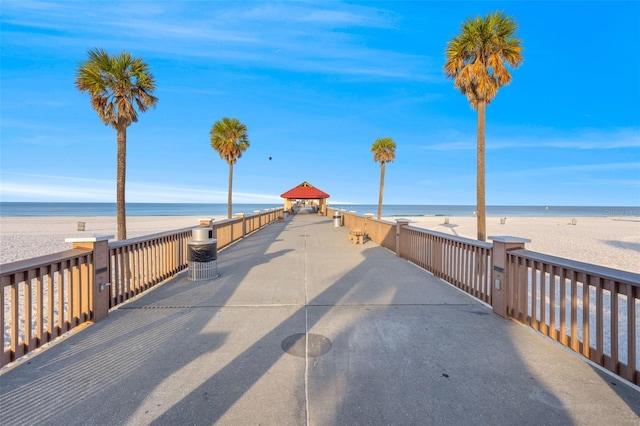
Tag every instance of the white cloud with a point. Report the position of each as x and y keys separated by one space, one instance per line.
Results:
x=308 y=37
x=32 y=187
x=581 y=139
x=583 y=174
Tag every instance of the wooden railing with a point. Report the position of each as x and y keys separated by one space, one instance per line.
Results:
x=45 y=297
x=138 y=264
x=589 y=309
x=462 y=262
x=381 y=232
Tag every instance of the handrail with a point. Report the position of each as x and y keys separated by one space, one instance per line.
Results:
x=579 y=305
x=585 y=314
x=603 y=271
x=46 y=296
x=463 y=262
x=43 y=298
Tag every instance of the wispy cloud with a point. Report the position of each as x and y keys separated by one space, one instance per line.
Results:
x=300 y=37
x=25 y=187
x=594 y=167
x=580 y=139
x=320 y=14
x=616 y=174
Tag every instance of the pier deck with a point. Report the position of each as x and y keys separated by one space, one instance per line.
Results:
x=387 y=344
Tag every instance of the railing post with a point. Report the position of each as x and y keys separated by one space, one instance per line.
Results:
x=399 y=224
x=501 y=285
x=244 y=224
x=367 y=216
x=257 y=212
x=206 y=222
x=99 y=287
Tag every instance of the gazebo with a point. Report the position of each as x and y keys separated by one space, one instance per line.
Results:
x=306 y=191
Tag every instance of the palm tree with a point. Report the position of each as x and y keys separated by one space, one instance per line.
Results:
x=384 y=151
x=476 y=61
x=117 y=85
x=229 y=138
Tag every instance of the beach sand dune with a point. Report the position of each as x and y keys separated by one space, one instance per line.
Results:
x=610 y=242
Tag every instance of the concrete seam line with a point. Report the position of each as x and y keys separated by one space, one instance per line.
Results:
x=306 y=334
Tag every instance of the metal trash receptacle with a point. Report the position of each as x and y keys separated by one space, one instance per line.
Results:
x=337 y=219
x=202 y=255
x=202 y=259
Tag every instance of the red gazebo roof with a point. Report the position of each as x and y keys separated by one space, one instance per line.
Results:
x=305 y=191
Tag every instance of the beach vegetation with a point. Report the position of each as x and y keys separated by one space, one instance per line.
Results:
x=384 y=151
x=230 y=139
x=477 y=61
x=120 y=86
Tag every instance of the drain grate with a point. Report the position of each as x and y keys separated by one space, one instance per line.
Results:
x=295 y=345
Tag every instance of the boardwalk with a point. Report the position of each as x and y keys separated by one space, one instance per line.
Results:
x=387 y=343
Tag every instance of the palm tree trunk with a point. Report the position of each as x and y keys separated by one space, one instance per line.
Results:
x=480 y=188
x=229 y=193
x=382 y=163
x=121 y=177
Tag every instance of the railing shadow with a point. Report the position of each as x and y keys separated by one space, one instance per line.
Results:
x=627 y=245
x=144 y=339
x=388 y=338
x=405 y=347
x=451 y=227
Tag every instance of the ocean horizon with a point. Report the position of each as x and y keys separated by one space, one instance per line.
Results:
x=43 y=209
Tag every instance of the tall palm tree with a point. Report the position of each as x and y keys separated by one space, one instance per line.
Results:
x=117 y=85
x=476 y=60
x=229 y=138
x=384 y=151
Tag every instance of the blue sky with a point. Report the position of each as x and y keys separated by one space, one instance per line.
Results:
x=317 y=83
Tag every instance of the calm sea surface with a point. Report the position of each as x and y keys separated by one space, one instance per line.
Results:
x=19 y=209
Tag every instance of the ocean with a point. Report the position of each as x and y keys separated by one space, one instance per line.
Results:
x=34 y=209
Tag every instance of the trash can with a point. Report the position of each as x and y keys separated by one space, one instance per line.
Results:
x=202 y=255
x=337 y=220
x=202 y=259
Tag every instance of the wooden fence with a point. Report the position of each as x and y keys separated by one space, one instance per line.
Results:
x=44 y=297
x=379 y=231
x=590 y=309
x=463 y=262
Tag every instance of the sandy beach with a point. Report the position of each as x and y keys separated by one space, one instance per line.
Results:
x=611 y=242
x=25 y=237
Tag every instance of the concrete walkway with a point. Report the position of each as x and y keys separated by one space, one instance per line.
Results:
x=302 y=327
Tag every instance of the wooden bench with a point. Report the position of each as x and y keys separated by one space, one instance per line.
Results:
x=356 y=235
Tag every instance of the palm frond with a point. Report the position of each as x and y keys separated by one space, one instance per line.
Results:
x=229 y=138
x=117 y=86
x=477 y=58
x=384 y=150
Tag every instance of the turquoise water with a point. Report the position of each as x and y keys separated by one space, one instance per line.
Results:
x=22 y=209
